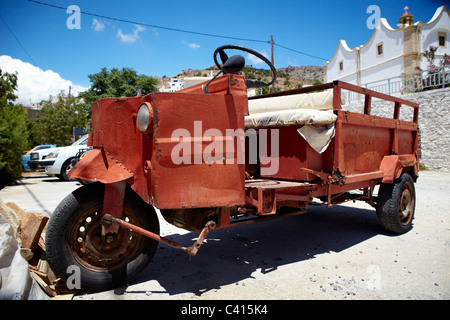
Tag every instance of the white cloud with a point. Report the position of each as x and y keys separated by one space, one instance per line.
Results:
x=256 y=60
x=34 y=84
x=97 y=25
x=130 y=37
x=191 y=45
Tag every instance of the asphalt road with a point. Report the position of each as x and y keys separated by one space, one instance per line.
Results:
x=328 y=253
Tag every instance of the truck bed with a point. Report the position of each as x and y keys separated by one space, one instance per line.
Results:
x=361 y=150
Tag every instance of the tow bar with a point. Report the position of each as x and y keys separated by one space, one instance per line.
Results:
x=108 y=220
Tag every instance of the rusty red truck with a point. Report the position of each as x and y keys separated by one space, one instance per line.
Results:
x=209 y=157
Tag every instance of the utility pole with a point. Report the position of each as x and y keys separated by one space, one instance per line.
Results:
x=271 y=54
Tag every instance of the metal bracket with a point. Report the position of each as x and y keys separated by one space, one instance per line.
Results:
x=108 y=220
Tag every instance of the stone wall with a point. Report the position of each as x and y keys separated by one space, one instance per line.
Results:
x=434 y=123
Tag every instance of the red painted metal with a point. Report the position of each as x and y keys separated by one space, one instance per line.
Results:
x=365 y=151
x=99 y=164
x=181 y=124
x=109 y=221
x=113 y=203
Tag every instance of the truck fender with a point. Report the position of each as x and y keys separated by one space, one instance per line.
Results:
x=100 y=166
x=393 y=166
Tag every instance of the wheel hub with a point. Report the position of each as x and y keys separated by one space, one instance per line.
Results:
x=94 y=251
x=406 y=205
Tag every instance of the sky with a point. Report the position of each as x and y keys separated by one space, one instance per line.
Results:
x=53 y=48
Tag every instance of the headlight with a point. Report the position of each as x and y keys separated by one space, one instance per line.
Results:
x=51 y=155
x=144 y=119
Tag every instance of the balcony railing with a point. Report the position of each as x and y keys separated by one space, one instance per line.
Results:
x=434 y=78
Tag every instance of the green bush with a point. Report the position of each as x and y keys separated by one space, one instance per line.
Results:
x=13 y=130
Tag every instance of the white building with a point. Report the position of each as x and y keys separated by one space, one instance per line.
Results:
x=178 y=84
x=172 y=86
x=185 y=82
x=391 y=52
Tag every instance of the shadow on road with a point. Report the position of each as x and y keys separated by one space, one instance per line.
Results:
x=232 y=255
x=30 y=178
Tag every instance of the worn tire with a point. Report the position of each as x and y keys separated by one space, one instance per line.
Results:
x=73 y=240
x=396 y=204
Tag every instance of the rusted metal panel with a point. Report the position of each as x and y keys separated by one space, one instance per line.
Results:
x=273 y=184
x=364 y=147
x=295 y=153
x=99 y=165
x=119 y=149
x=190 y=163
x=228 y=84
x=113 y=203
x=392 y=166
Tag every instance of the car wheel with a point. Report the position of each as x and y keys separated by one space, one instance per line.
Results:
x=65 y=170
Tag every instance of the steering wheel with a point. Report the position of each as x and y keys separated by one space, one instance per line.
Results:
x=250 y=83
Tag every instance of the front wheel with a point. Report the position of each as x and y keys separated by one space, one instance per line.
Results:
x=396 y=204
x=74 y=240
x=65 y=168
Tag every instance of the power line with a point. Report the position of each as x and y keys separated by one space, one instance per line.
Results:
x=306 y=54
x=149 y=25
x=175 y=29
x=29 y=56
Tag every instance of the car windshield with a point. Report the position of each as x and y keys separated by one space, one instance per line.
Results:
x=29 y=152
x=82 y=140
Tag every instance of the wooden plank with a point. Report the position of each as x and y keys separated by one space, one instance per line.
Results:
x=31 y=231
x=42 y=283
x=19 y=212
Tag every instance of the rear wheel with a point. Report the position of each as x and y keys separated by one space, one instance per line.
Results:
x=74 y=240
x=396 y=204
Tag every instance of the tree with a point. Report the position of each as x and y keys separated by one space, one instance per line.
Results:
x=13 y=130
x=56 y=121
x=117 y=83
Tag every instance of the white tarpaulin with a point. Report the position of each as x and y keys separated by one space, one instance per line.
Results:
x=312 y=111
x=15 y=280
x=316 y=100
x=289 y=117
x=318 y=137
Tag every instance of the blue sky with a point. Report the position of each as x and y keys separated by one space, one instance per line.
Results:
x=42 y=38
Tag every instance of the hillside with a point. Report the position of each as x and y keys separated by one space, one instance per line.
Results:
x=306 y=73
x=288 y=77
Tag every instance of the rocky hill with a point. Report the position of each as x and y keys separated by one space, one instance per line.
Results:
x=305 y=73
x=287 y=78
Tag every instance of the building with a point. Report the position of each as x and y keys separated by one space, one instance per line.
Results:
x=391 y=52
x=180 y=83
x=173 y=86
x=184 y=82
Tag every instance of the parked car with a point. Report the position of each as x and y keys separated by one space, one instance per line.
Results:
x=80 y=155
x=30 y=159
x=59 y=161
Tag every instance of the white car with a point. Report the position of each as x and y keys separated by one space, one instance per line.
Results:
x=59 y=161
x=36 y=154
